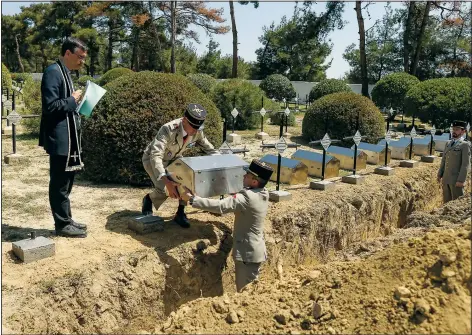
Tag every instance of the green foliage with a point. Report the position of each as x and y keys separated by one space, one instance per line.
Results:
x=20 y=77
x=32 y=100
x=114 y=74
x=339 y=111
x=328 y=86
x=278 y=86
x=276 y=117
x=203 y=81
x=6 y=77
x=247 y=99
x=390 y=91
x=129 y=116
x=440 y=101
x=82 y=81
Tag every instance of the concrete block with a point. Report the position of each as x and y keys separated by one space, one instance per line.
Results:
x=13 y=158
x=385 y=170
x=428 y=159
x=323 y=185
x=277 y=196
x=409 y=163
x=7 y=131
x=262 y=135
x=144 y=224
x=353 y=179
x=234 y=138
x=34 y=249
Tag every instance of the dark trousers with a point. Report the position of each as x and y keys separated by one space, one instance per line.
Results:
x=60 y=186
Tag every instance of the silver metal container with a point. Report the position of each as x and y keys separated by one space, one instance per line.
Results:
x=440 y=142
x=375 y=153
x=346 y=157
x=314 y=161
x=291 y=171
x=399 y=149
x=209 y=176
x=421 y=145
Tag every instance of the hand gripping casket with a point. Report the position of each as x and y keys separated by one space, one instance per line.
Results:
x=208 y=176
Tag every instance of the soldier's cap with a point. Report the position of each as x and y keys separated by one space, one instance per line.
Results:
x=461 y=124
x=259 y=169
x=195 y=115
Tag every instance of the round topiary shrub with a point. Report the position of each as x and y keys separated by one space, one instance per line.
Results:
x=440 y=101
x=339 y=111
x=278 y=86
x=82 y=81
x=328 y=86
x=275 y=118
x=129 y=116
x=203 y=81
x=113 y=74
x=32 y=100
x=246 y=97
x=390 y=91
x=6 y=77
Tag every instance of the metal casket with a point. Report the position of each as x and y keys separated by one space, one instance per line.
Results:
x=440 y=142
x=208 y=176
x=375 y=153
x=291 y=171
x=314 y=160
x=346 y=157
x=421 y=145
x=399 y=149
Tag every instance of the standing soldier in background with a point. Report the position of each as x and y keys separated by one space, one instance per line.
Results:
x=455 y=163
x=168 y=145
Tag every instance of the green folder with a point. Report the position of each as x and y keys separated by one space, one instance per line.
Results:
x=93 y=94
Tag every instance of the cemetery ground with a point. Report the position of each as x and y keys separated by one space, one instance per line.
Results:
x=381 y=257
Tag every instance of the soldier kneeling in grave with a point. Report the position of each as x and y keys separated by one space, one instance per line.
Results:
x=168 y=145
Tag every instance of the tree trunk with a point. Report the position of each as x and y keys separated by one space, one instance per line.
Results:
x=364 y=79
x=110 y=45
x=134 y=53
x=454 y=55
x=406 y=37
x=420 y=38
x=44 y=57
x=17 y=51
x=173 y=33
x=234 y=73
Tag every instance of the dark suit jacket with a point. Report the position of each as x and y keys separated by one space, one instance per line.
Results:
x=57 y=102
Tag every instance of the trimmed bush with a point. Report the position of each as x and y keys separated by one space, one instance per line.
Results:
x=82 y=81
x=129 y=116
x=6 y=77
x=390 y=91
x=278 y=86
x=328 y=86
x=247 y=98
x=340 y=110
x=276 y=117
x=113 y=74
x=440 y=101
x=203 y=81
x=32 y=100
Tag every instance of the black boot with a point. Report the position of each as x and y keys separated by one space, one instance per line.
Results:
x=181 y=218
x=146 y=209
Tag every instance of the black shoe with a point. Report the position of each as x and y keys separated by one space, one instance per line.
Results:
x=71 y=231
x=146 y=209
x=79 y=225
x=181 y=220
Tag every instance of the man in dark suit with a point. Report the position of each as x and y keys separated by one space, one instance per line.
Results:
x=60 y=134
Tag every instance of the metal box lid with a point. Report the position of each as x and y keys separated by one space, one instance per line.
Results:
x=395 y=144
x=216 y=162
x=417 y=140
x=343 y=151
x=311 y=156
x=441 y=138
x=285 y=162
x=369 y=147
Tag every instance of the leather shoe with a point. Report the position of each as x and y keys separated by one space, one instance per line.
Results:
x=181 y=220
x=71 y=231
x=146 y=208
x=79 y=225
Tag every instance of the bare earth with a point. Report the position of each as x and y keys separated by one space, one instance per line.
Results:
x=336 y=260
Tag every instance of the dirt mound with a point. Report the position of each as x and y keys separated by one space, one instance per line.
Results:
x=419 y=286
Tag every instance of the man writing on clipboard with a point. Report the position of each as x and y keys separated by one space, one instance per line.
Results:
x=60 y=132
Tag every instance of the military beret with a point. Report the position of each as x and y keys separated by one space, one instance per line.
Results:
x=461 y=124
x=260 y=169
x=195 y=115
